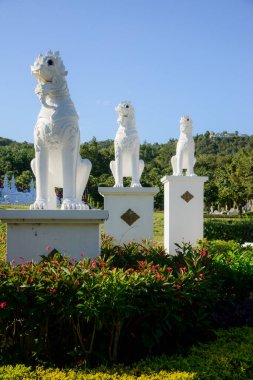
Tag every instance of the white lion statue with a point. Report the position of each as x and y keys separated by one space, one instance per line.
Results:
x=184 y=158
x=57 y=162
x=127 y=148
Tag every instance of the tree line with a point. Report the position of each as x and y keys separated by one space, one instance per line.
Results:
x=228 y=162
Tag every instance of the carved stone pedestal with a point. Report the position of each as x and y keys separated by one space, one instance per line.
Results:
x=130 y=212
x=31 y=234
x=183 y=210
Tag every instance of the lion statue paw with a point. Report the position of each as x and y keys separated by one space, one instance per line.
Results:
x=39 y=204
x=70 y=204
x=118 y=184
x=135 y=184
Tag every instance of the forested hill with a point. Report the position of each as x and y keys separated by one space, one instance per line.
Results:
x=227 y=161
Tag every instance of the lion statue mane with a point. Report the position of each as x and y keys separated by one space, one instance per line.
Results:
x=184 y=158
x=57 y=162
x=126 y=147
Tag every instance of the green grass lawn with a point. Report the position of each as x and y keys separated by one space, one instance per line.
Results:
x=2 y=240
x=13 y=206
x=158 y=226
x=3 y=227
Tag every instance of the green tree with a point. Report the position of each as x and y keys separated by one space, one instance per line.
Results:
x=23 y=180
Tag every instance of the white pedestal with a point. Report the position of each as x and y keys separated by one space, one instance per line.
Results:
x=183 y=210
x=130 y=212
x=31 y=233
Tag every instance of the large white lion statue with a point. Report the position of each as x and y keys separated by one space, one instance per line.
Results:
x=127 y=148
x=184 y=158
x=57 y=162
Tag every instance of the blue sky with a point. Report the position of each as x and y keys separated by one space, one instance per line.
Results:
x=169 y=57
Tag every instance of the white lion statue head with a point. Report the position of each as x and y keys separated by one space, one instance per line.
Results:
x=126 y=112
x=186 y=124
x=48 y=67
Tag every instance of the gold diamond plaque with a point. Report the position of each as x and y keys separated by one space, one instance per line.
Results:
x=187 y=196
x=130 y=217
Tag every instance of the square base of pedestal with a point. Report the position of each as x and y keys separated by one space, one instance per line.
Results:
x=31 y=233
x=183 y=210
x=130 y=213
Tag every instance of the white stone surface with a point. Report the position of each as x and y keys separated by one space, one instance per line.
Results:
x=57 y=161
x=32 y=233
x=184 y=158
x=117 y=201
x=183 y=221
x=126 y=147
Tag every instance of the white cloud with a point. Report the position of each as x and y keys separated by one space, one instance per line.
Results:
x=103 y=102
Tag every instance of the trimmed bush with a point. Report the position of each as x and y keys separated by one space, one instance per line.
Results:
x=239 y=230
x=2 y=241
x=234 y=265
x=131 y=302
x=61 y=310
x=229 y=356
x=40 y=373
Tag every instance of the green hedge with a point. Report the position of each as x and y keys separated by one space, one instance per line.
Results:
x=229 y=356
x=239 y=230
x=23 y=373
x=131 y=302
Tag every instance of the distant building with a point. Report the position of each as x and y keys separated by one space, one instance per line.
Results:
x=226 y=135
